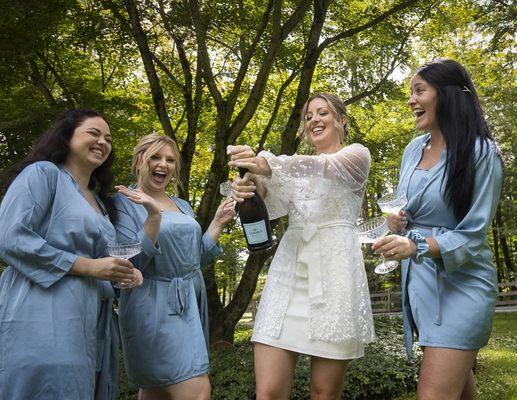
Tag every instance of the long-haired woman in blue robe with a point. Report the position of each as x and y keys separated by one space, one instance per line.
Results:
x=57 y=336
x=452 y=177
x=164 y=322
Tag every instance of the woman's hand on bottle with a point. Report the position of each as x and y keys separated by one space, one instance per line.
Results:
x=140 y=197
x=243 y=188
x=397 y=221
x=395 y=247
x=244 y=157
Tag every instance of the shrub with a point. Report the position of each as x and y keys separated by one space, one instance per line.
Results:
x=382 y=373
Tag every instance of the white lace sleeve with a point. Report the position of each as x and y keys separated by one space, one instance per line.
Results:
x=279 y=193
x=350 y=165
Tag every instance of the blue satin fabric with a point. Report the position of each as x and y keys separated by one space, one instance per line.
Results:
x=164 y=322
x=449 y=301
x=56 y=330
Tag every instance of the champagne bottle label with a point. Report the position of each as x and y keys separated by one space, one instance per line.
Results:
x=256 y=232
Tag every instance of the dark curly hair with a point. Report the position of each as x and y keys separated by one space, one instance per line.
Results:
x=54 y=146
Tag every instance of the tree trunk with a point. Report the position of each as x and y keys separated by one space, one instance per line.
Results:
x=150 y=70
x=289 y=140
x=508 y=263
x=224 y=320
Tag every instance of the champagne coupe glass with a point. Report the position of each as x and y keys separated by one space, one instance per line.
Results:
x=225 y=189
x=124 y=250
x=392 y=203
x=371 y=230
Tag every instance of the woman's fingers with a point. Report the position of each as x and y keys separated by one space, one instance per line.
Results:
x=243 y=187
x=248 y=163
x=396 y=222
x=394 y=247
x=240 y=152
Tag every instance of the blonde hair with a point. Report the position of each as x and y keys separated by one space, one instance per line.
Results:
x=147 y=147
x=336 y=106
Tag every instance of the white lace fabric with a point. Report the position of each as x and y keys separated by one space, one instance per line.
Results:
x=322 y=195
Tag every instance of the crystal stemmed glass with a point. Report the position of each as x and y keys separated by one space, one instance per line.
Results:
x=368 y=232
x=124 y=250
x=392 y=203
x=225 y=189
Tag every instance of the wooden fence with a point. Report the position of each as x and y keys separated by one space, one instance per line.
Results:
x=391 y=301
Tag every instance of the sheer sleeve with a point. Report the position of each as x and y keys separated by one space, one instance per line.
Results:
x=350 y=166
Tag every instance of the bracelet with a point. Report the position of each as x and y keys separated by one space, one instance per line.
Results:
x=421 y=245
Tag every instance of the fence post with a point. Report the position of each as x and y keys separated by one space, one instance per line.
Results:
x=389 y=300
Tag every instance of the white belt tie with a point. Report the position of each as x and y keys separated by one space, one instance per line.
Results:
x=309 y=256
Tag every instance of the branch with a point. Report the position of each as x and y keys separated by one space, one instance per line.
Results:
x=108 y=79
x=247 y=56
x=226 y=46
x=289 y=142
x=40 y=83
x=278 y=101
x=277 y=37
x=70 y=100
x=178 y=124
x=382 y=81
x=166 y=71
x=150 y=70
x=203 y=56
x=295 y=17
x=351 y=32
x=394 y=63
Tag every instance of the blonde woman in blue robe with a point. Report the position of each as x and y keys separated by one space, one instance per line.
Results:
x=164 y=322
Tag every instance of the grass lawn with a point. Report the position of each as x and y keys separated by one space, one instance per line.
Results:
x=496 y=372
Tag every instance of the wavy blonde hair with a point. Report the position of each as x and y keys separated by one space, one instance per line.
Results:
x=336 y=107
x=147 y=147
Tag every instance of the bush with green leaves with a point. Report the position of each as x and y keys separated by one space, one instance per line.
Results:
x=382 y=373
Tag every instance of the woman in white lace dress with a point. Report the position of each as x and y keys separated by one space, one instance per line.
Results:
x=316 y=298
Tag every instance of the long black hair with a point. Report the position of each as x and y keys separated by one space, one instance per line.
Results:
x=54 y=146
x=461 y=122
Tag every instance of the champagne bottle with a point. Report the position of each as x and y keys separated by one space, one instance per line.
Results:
x=255 y=221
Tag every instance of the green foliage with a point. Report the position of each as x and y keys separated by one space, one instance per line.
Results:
x=382 y=373
x=63 y=53
x=497 y=363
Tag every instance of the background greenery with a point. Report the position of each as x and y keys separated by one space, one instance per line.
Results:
x=214 y=73
x=382 y=374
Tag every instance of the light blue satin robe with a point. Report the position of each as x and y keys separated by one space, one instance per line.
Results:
x=449 y=301
x=164 y=322
x=56 y=330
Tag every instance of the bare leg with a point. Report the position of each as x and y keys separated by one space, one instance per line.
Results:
x=197 y=388
x=469 y=391
x=327 y=378
x=445 y=374
x=153 y=394
x=274 y=371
